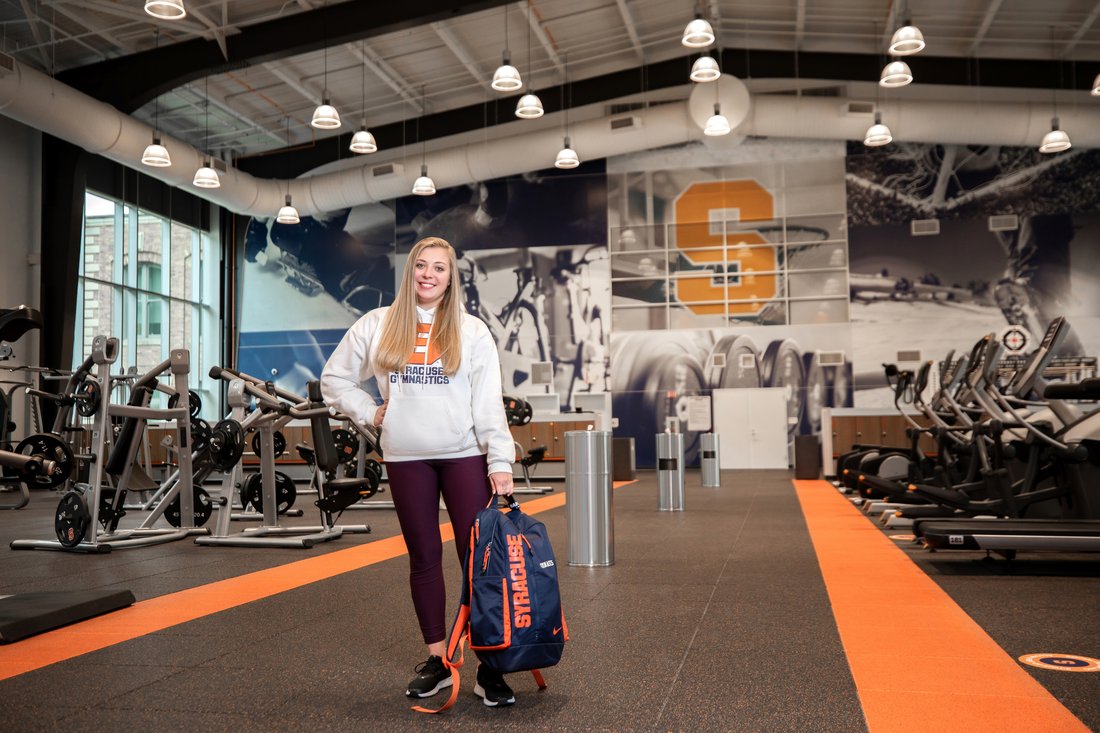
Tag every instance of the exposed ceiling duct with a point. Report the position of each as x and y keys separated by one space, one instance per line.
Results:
x=41 y=102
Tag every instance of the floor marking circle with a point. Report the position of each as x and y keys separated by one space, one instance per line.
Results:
x=1062 y=662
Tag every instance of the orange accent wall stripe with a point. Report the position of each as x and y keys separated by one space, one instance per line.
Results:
x=941 y=671
x=156 y=614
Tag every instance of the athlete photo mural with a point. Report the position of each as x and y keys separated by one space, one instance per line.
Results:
x=532 y=258
x=948 y=243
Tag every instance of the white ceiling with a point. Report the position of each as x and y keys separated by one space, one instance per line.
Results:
x=446 y=65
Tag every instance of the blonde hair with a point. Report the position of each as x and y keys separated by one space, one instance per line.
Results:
x=398 y=337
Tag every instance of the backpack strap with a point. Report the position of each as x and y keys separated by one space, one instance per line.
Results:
x=455 y=644
x=537 y=674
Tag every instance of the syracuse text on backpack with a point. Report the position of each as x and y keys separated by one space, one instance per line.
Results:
x=511 y=605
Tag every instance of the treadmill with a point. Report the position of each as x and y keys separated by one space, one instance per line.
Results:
x=1007 y=536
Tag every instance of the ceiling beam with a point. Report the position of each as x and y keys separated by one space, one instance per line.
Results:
x=534 y=20
x=451 y=41
x=131 y=81
x=631 y=29
x=32 y=21
x=1082 y=29
x=983 y=28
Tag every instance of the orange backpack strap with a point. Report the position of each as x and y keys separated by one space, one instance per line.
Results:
x=537 y=674
x=454 y=659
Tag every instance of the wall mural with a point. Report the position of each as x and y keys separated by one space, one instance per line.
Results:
x=1015 y=243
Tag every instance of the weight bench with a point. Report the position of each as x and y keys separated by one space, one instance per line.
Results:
x=531 y=459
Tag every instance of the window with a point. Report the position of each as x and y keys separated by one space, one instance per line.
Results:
x=148 y=281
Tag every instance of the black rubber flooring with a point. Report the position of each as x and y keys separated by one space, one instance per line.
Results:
x=711 y=619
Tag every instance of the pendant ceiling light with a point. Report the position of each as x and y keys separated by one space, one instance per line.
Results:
x=206 y=176
x=895 y=74
x=166 y=9
x=424 y=185
x=362 y=142
x=907 y=39
x=878 y=134
x=698 y=33
x=1056 y=140
x=156 y=155
x=717 y=124
x=1096 y=86
x=288 y=214
x=529 y=106
x=506 y=78
x=325 y=117
x=705 y=69
x=567 y=156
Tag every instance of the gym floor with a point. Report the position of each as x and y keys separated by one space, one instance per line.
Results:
x=768 y=605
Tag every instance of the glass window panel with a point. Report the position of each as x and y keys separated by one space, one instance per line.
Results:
x=100 y=233
x=684 y=317
x=819 y=311
x=819 y=228
x=817 y=256
x=640 y=264
x=816 y=284
x=639 y=319
x=636 y=237
x=625 y=292
x=181 y=264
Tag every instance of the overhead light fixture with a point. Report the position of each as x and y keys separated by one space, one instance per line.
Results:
x=166 y=9
x=878 y=134
x=206 y=176
x=288 y=214
x=529 y=107
x=325 y=117
x=906 y=41
x=506 y=78
x=698 y=33
x=567 y=156
x=1096 y=86
x=717 y=124
x=705 y=69
x=1056 y=140
x=424 y=185
x=156 y=155
x=895 y=74
x=362 y=142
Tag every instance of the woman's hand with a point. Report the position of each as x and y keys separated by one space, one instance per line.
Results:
x=380 y=414
x=502 y=483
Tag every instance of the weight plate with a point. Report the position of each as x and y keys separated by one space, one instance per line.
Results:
x=347 y=445
x=87 y=397
x=194 y=403
x=249 y=488
x=200 y=434
x=202 y=507
x=72 y=519
x=373 y=466
x=226 y=445
x=285 y=493
x=277 y=439
x=50 y=448
x=782 y=367
x=517 y=411
x=741 y=363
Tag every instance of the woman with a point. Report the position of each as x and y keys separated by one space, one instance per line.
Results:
x=438 y=371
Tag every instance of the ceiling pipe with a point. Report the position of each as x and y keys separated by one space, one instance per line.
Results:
x=43 y=103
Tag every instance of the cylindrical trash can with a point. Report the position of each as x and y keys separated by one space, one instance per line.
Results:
x=711 y=475
x=589 y=511
x=670 y=472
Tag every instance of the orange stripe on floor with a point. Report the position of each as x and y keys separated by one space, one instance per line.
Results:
x=918 y=660
x=160 y=613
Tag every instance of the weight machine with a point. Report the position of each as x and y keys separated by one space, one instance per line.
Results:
x=88 y=515
x=333 y=494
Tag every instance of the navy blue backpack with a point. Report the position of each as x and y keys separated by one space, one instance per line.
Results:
x=511 y=605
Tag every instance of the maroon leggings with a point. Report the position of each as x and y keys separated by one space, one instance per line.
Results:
x=416 y=487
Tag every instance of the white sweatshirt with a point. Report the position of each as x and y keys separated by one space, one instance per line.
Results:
x=430 y=415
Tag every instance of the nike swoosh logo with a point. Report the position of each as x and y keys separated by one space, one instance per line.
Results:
x=557 y=630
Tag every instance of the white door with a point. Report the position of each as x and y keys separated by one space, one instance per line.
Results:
x=752 y=424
